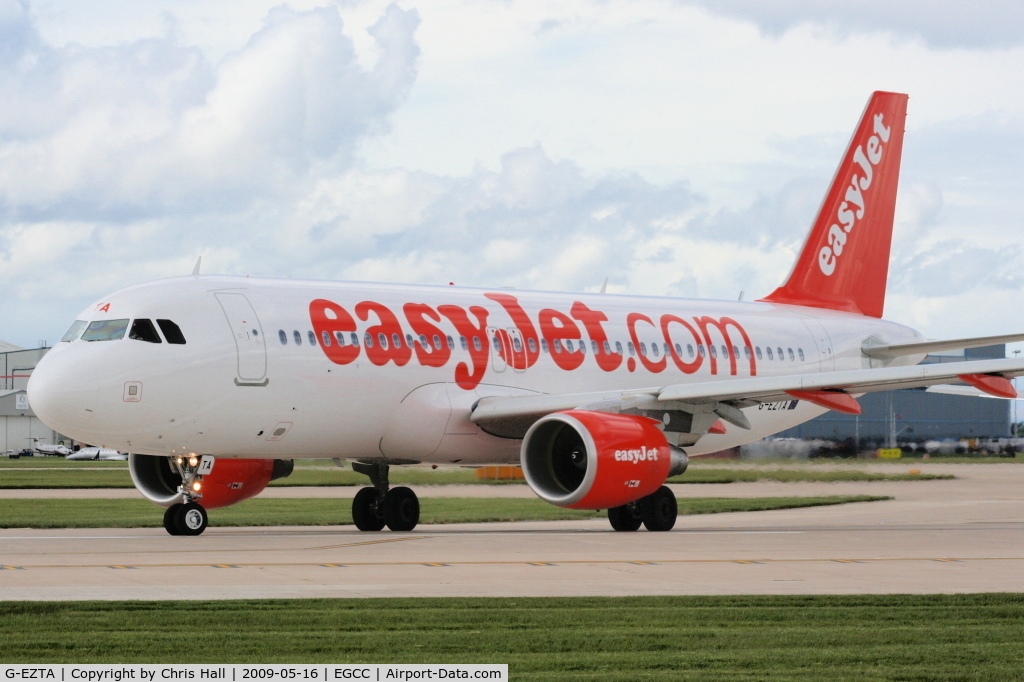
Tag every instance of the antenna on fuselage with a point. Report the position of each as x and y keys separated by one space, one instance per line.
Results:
x=199 y=261
x=741 y=296
x=604 y=287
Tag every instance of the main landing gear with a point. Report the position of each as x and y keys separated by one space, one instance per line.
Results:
x=376 y=507
x=188 y=517
x=657 y=512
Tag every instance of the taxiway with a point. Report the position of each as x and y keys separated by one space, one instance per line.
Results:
x=962 y=535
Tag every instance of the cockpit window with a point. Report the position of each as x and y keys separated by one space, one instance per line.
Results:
x=75 y=331
x=172 y=332
x=143 y=330
x=105 y=330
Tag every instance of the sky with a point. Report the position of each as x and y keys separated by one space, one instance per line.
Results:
x=676 y=147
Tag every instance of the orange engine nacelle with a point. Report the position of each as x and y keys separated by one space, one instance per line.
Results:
x=597 y=460
x=231 y=481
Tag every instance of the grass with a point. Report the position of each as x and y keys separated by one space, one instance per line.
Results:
x=40 y=472
x=904 y=637
x=715 y=475
x=107 y=513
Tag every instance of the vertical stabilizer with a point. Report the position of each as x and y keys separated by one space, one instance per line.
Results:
x=845 y=262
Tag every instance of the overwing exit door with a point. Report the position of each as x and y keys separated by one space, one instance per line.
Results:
x=823 y=342
x=248 y=335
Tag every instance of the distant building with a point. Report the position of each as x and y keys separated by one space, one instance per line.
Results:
x=18 y=423
x=916 y=416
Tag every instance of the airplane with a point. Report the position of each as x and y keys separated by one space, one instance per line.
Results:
x=217 y=384
x=93 y=453
x=49 y=449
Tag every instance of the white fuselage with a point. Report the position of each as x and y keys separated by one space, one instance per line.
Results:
x=256 y=377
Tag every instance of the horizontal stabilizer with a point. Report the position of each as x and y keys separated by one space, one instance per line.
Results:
x=899 y=350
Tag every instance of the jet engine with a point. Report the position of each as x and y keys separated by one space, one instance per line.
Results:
x=596 y=460
x=230 y=481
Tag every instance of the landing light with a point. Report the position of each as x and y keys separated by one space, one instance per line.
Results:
x=193 y=461
x=197 y=486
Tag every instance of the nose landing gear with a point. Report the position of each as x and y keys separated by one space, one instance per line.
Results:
x=188 y=517
x=185 y=519
x=376 y=507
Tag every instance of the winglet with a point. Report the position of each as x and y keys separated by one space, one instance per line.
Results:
x=845 y=261
x=199 y=261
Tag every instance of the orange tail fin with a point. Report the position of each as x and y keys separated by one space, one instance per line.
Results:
x=845 y=261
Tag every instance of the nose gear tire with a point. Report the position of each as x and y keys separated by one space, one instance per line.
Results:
x=190 y=519
x=169 y=525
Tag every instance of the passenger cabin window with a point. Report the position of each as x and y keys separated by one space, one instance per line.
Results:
x=801 y=352
x=326 y=336
x=75 y=331
x=143 y=330
x=172 y=332
x=105 y=330
x=284 y=337
x=312 y=338
x=298 y=337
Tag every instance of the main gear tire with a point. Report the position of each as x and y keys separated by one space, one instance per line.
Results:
x=658 y=510
x=401 y=509
x=625 y=518
x=364 y=510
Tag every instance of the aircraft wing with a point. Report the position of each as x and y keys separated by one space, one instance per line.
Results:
x=724 y=397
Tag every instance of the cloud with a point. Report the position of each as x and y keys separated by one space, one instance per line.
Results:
x=943 y=24
x=534 y=222
x=151 y=127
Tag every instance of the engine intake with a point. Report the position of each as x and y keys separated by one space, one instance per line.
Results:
x=597 y=460
x=231 y=481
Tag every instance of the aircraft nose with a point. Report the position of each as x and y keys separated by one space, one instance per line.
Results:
x=59 y=395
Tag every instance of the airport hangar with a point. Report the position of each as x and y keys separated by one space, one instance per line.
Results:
x=18 y=424
x=908 y=415
x=915 y=416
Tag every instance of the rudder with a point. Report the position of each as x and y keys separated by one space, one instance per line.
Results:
x=844 y=263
